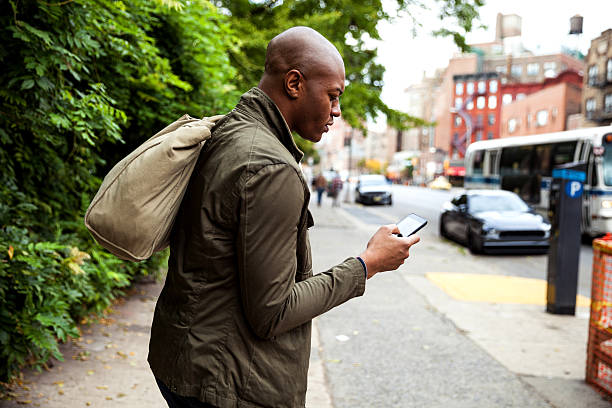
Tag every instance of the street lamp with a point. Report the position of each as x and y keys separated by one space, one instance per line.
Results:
x=348 y=141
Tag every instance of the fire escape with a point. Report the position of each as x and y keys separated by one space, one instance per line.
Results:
x=462 y=142
x=603 y=83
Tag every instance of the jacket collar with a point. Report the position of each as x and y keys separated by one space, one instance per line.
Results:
x=259 y=106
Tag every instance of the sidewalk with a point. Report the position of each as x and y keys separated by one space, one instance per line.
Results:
x=108 y=366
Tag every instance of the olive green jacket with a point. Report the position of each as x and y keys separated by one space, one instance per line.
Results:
x=232 y=324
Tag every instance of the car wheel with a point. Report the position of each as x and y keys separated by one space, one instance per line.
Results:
x=473 y=244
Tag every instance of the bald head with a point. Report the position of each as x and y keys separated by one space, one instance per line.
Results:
x=304 y=76
x=303 y=49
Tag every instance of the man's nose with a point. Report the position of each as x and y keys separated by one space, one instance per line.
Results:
x=335 y=110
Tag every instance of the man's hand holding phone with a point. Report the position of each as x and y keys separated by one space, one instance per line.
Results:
x=386 y=251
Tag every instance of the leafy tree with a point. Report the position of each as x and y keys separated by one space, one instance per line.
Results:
x=348 y=25
x=83 y=82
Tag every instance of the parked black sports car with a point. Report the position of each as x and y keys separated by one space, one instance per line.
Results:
x=373 y=189
x=487 y=220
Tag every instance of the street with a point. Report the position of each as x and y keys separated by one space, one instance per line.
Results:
x=427 y=203
x=406 y=343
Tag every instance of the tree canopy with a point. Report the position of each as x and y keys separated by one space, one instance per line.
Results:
x=349 y=25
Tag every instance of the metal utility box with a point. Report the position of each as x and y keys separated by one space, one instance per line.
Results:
x=565 y=211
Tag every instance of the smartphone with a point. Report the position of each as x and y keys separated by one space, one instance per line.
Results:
x=411 y=224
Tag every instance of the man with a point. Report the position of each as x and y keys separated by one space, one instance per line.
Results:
x=232 y=324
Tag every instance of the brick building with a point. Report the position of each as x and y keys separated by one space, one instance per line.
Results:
x=531 y=68
x=475 y=111
x=460 y=64
x=545 y=107
x=597 y=95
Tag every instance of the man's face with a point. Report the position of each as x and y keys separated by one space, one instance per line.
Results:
x=320 y=102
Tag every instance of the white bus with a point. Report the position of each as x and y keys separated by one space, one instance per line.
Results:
x=524 y=165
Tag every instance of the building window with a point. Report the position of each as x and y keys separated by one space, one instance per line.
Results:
x=482 y=87
x=516 y=70
x=520 y=96
x=506 y=99
x=470 y=105
x=511 y=125
x=492 y=102
x=501 y=69
x=478 y=135
x=553 y=113
x=608 y=102
x=550 y=69
x=542 y=117
x=593 y=74
x=533 y=69
x=491 y=119
x=590 y=105
x=489 y=135
x=609 y=70
x=493 y=83
x=457 y=120
x=480 y=102
x=479 y=119
x=528 y=123
x=458 y=103
x=470 y=88
x=459 y=88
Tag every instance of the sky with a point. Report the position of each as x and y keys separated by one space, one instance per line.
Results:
x=545 y=28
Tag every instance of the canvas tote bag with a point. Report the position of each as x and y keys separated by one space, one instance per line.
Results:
x=132 y=213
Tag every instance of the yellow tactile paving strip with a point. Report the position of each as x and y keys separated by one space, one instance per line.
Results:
x=495 y=288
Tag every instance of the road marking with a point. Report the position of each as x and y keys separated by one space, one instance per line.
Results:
x=495 y=288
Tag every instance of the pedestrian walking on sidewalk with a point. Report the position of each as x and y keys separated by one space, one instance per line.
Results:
x=232 y=324
x=320 y=185
x=336 y=188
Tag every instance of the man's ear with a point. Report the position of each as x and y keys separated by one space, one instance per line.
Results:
x=294 y=83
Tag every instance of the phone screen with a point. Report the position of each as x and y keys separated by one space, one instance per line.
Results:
x=411 y=224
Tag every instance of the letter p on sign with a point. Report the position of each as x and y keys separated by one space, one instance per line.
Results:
x=573 y=189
